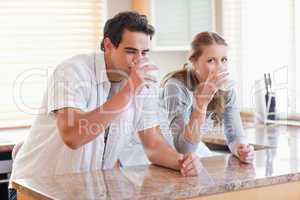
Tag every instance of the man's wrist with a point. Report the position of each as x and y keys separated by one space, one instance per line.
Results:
x=127 y=93
x=180 y=157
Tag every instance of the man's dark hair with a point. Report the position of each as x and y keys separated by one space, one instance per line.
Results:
x=132 y=21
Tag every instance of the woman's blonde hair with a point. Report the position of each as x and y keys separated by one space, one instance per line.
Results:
x=188 y=76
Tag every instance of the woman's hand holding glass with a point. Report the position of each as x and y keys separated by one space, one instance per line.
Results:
x=208 y=87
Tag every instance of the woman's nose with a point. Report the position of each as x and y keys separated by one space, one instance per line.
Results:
x=222 y=66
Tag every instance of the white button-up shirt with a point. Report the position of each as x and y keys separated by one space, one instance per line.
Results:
x=81 y=82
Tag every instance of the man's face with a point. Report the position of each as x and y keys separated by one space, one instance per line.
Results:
x=133 y=46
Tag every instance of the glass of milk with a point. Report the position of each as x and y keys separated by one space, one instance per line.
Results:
x=154 y=74
x=228 y=84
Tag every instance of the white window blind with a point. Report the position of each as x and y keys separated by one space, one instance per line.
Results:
x=35 y=36
x=297 y=54
x=261 y=35
x=231 y=19
x=178 y=20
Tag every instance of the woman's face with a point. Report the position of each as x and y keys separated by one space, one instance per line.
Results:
x=212 y=60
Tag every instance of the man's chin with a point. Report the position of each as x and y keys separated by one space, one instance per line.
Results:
x=117 y=75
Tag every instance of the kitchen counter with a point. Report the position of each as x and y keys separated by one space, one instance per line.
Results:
x=275 y=173
x=10 y=137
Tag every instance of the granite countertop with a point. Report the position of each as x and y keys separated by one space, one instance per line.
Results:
x=278 y=163
x=10 y=137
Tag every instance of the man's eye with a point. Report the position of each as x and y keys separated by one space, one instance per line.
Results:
x=130 y=52
x=144 y=53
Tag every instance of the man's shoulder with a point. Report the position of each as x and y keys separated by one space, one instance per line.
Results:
x=81 y=64
x=79 y=60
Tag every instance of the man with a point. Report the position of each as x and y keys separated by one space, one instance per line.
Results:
x=99 y=97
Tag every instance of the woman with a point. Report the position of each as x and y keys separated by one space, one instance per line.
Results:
x=194 y=101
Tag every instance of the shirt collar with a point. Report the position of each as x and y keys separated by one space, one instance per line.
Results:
x=100 y=66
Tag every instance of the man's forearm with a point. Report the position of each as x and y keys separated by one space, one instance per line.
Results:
x=83 y=127
x=164 y=155
x=158 y=151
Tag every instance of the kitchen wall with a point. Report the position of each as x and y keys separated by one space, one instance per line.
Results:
x=165 y=60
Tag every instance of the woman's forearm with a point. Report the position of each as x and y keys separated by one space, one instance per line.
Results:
x=192 y=131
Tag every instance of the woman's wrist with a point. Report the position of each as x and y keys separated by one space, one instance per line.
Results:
x=199 y=111
x=193 y=129
x=192 y=137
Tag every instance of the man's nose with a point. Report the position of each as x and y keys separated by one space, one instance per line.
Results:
x=138 y=57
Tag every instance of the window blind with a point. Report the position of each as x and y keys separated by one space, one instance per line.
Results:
x=178 y=21
x=261 y=35
x=297 y=54
x=35 y=36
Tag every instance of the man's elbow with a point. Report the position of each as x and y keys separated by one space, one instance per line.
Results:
x=72 y=144
x=67 y=135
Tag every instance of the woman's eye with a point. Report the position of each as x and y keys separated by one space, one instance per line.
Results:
x=224 y=60
x=211 y=60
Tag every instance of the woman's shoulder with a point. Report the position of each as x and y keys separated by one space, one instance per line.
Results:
x=174 y=81
x=175 y=92
x=176 y=87
x=175 y=98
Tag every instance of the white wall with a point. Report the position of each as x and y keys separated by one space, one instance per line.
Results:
x=297 y=13
x=168 y=61
x=115 y=6
x=165 y=60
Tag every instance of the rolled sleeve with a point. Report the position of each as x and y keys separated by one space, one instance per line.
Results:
x=184 y=146
x=147 y=108
x=233 y=127
x=68 y=87
x=177 y=104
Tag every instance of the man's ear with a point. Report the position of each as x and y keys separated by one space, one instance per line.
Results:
x=108 y=45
